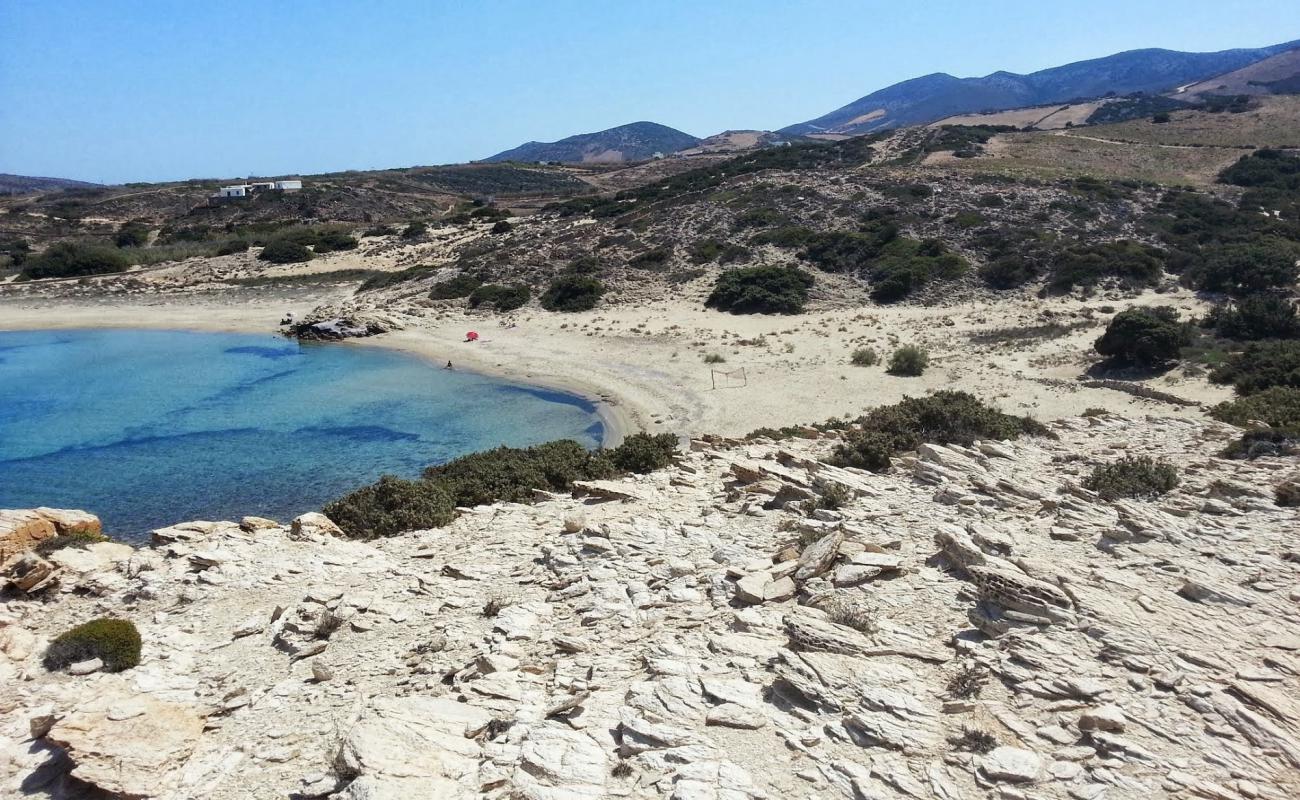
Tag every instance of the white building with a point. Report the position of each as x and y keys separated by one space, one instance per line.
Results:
x=262 y=186
x=233 y=191
x=288 y=186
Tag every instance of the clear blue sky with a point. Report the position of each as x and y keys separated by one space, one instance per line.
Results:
x=114 y=90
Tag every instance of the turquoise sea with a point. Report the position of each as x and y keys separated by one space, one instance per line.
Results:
x=148 y=428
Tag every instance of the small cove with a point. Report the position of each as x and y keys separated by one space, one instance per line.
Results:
x=147 y=428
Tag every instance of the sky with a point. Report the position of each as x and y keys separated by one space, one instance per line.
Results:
x=114 y=91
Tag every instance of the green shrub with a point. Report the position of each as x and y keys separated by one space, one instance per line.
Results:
x=329 y=241
x=515 y=475
x=79 y=541
x=501 y=226
x=656 y=259
x=908 y=361
x=1241 y=269
x=761 y=290
x=644 y=452
x=71 y=259
x=132 y=234
x=1259 y=316
x=1008 y=272
x=584 y=265
x=864 y=357
x=461 y=285
x=572 y=293
x=232 y=246
x=391 y=506
x=945 y=417
x=1134 y=265
x=116 y=642
x=704 y=251
x=1277 y=407
x=1260 y=366
x=283 y=251
x=1146 y=337
x=415 y=230
x=715 y=358
x=1287 y=493
x=1270 y=442
x=1132 y=476
x=499 y=296
x=380 y=230
x=907 y=265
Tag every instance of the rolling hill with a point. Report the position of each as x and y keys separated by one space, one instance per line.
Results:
x=633 y=142
x=23 y=184
x=932 y=97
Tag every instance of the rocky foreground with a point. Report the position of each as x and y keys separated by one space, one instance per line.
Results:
x=972 y=624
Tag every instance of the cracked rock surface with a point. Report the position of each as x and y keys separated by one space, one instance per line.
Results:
x=970 y=624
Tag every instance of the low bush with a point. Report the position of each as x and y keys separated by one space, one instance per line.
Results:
x=329 y=241
x=1133 y=476
x=1259 y=316
x=116 y=642
x=1277 y=407
x=391 y=506
x=715 y=358
x=1146 y=337
x=864 y=357
x=72 y=259
x=945 y=417
x=572 y=293
x=415 y=230
x=515 y=475
x=644 y=452
x=501 y=226
x=908 y=361
x=1260 y=366
x=380 y=230
x=1287 y=493
x=461 y=285
x=1242 y=269
x=283 y=251
x=232 y=246
x=704 y=251
x=1271 y=442
x=656 y=259
x=1009 y=271
x=132 y=234
x=499 y=296
x=1132 y=264
x=761 y=290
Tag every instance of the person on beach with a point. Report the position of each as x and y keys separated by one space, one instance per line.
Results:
x=448 y=365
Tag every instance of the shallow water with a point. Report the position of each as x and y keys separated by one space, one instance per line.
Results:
x=147 y=428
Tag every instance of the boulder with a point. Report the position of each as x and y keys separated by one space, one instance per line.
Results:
x=818 y=556
x=412 y=747
x=313 y=525
x=28 y=572
x=128 y=744
x=1108 y=718
x=21 y=530
x=67 y=521
x=1011 y=764
x=254 y=524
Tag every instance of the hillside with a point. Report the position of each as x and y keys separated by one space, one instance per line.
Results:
x=932 y=97
x=633 y=142
x=25 y=184
x=1279 y=74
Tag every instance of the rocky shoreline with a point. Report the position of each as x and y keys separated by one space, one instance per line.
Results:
x=972 y=623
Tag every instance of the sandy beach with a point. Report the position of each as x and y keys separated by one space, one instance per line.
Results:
x=645 y=365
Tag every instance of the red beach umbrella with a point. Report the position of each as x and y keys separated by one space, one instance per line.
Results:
x=472 y=336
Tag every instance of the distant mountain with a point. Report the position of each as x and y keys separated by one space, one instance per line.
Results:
x=634 y=142
x=932 y=97
x=734 y=142
x=22 y=184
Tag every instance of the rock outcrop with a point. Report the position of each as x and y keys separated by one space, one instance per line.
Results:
x=970 y=624
x=23 y=529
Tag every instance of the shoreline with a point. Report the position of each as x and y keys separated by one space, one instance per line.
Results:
x=618 y=418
